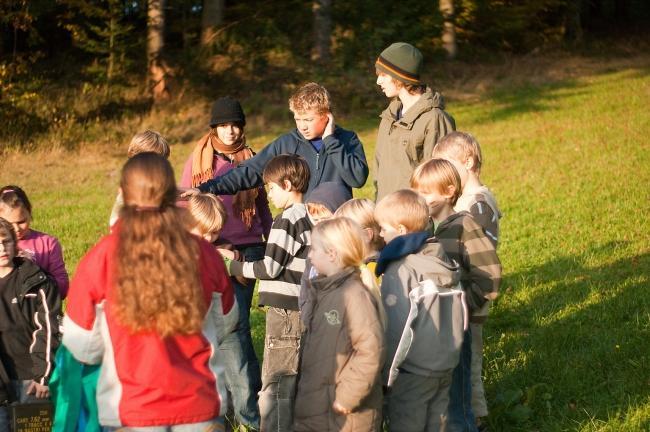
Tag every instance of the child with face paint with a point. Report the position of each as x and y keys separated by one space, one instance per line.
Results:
x=465 y=242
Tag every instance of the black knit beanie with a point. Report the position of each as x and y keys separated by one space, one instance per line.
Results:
x=227 y=110
x=402 y=61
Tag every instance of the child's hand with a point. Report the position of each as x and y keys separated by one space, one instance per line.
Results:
x=340 y=409
x=329 y=129
x=227 y=253
x=187 y=193
x=38 y=390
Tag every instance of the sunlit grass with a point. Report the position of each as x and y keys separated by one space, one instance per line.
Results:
x=568 y=340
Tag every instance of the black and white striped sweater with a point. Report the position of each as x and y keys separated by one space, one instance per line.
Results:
x=283 y=264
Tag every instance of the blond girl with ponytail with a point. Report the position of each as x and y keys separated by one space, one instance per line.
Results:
x=343 y=345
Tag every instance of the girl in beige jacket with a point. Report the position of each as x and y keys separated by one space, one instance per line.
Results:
x=339 y=387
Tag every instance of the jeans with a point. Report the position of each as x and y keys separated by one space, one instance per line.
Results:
x=280 y=369
x=479 y=404
x=241 y=365
x=460 y=417
x=19 y=389
x=214 y=425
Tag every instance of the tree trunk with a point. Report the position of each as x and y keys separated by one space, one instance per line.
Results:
x=322 y=30
x=448 y=28
x=211 y=19
x=573 y=22
x=157 y=77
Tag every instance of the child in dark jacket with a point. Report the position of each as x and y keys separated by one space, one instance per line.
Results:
x=29 y=326
x=343 y=346
x=466 y=243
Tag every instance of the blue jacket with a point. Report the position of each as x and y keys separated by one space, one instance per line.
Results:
x=340 y=159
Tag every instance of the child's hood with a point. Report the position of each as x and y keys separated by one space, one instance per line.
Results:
x=432 y=262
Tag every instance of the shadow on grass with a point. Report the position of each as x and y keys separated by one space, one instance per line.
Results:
x=531 y=98
x=577 y=347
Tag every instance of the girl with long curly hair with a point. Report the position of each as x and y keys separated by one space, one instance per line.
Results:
x=151 y=302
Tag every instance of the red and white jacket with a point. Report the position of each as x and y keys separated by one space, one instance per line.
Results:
x=146 y=380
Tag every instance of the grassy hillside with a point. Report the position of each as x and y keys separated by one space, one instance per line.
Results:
x=566 y=151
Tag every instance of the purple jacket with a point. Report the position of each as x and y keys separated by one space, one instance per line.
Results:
x=235 y=231
x=45 y=251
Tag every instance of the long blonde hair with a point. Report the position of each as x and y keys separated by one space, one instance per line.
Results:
x=345 y=236
x=158 y=287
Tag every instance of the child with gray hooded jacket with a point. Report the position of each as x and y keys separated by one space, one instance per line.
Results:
x=425 y=315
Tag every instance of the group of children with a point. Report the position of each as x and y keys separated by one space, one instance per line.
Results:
x=374 y=310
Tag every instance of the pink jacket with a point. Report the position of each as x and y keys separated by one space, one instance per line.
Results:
x=146 y=380
x=45 y=251
x=235 y=231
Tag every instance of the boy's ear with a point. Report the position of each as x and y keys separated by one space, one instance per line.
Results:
x=370 y=234
x=286 y=185
x=451 y=190
x=469 y=164
x=332 y=255
x=402 y=229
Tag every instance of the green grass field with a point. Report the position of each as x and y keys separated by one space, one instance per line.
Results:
x=568 y=340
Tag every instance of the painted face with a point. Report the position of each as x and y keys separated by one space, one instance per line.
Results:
x=322 y=260
x=19 y=218
x=229 y=133
x=7 y=252
x=436 y=202
x=310 y=124
x=387 y=84
x=388 y=232
x=278 y=195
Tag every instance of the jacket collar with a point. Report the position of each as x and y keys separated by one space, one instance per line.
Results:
x=450 y=220
x=324 y=284
x=29 y=275
x=398 y=247
x=428 y=101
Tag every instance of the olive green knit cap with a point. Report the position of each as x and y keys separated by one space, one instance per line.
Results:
x=402 y=61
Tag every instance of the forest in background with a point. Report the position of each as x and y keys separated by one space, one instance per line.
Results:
x=68 y=68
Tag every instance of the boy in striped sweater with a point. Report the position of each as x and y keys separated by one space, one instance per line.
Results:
x=279 y=272
x=465 y=242
x=464 y=152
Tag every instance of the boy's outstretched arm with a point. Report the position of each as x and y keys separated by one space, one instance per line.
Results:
x=346 y=152
x=283 y=244
x=246 y=175
x=45 y=338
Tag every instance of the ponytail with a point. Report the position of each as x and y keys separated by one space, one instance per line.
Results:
x=347 y=238
x=370 y=283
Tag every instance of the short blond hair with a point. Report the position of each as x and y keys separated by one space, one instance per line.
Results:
x=460 y=146
x=436 y=175
x=208 y=213
x=318 y=210
x=311 y=96
x=148 y=141
x=403 y=207
x=362 y=211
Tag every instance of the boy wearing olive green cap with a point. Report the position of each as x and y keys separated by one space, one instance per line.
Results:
x=413 y=122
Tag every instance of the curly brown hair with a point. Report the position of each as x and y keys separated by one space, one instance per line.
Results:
x=158 y=285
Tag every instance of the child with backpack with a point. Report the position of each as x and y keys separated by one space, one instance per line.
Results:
x=423 y=350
